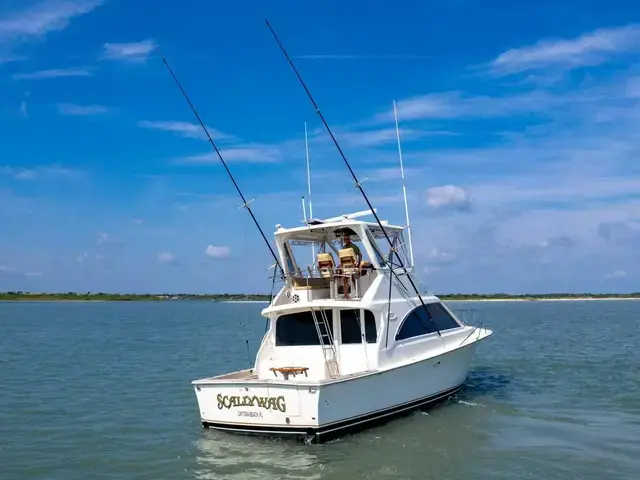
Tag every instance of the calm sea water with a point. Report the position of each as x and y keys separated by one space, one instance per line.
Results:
x=102 y=390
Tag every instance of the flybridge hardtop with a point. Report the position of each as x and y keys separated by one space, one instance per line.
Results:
x=316 y=229
x=350 y=340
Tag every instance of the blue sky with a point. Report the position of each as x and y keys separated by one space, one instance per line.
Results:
x=519 y=123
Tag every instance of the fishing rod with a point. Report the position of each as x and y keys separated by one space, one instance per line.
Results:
x=355 y=179
x=245 y=203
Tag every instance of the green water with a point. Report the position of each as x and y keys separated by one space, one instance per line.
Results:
x=102 y=390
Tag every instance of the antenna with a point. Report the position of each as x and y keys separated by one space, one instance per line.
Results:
x=404 y=188
x=306 y=149
x=245 y=204
x=304 y=210
x=355 y=179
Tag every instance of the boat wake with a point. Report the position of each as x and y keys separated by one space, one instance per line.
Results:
x=224 y=456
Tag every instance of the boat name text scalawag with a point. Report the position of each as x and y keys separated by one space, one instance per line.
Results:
x=268 y=403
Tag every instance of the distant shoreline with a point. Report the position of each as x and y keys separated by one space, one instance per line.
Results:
x=539 y=299
x=262 y=298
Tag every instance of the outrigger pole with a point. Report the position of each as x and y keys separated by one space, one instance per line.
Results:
x=404 y=188
x=355 y=179
x=245 y=204
x=306 y=149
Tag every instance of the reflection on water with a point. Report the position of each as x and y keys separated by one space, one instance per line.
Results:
x=231 y=456
x=486 y=381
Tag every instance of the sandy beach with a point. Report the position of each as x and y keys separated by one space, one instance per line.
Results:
x=243 y=301
x=577 y=299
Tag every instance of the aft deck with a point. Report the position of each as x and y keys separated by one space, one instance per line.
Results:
x=247 y=376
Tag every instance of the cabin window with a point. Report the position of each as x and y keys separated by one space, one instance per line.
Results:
x=288 y=255
x=421 y=322
x=374 y=246
x=299 y=329
x=350 y=327
x=441 y=317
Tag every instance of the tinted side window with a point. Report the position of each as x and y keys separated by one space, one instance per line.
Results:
x=370 y=331
x=442 y=318
x=415 y=324
x=350 y=325
x=420 y=322
x=372 y=240
x=298 y=329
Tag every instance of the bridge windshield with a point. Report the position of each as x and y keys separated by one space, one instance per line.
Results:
x=320 y=251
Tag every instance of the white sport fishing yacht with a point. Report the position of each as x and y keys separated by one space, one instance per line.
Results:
x=350 y=339
x=333 y=358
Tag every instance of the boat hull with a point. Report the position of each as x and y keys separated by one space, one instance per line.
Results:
x=318 y=412
x=320 y=434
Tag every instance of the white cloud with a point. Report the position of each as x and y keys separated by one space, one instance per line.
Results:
x=83 y=257
x=82 y=110
x=103 y=238
x=43 y=17
x=588 y=49
x=372 y=138
x=448 y=196
x=132 y=51
x=589 y=98
x=384 y=174
x=54 y=73
x=440 y=256
x=619 y=232
x=347 y=56
x=4 y=58
x=14 y=272
x=23 y=109
x=453 y=105
x=561 y=241
x=254 y=154
x=217 y=252
x=633 y=87
x=569 y=187
x=166 y=257
x=185 y=129
x=52 y=172
x=616 y=274
x=437 y=105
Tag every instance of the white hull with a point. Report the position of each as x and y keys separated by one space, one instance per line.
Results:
x=320 y=410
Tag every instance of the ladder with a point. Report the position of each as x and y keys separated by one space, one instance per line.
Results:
x=326 y=342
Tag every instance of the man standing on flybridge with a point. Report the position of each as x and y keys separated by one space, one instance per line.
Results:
x=346 y=239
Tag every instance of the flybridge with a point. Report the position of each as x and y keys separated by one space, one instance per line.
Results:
x=337 y=270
